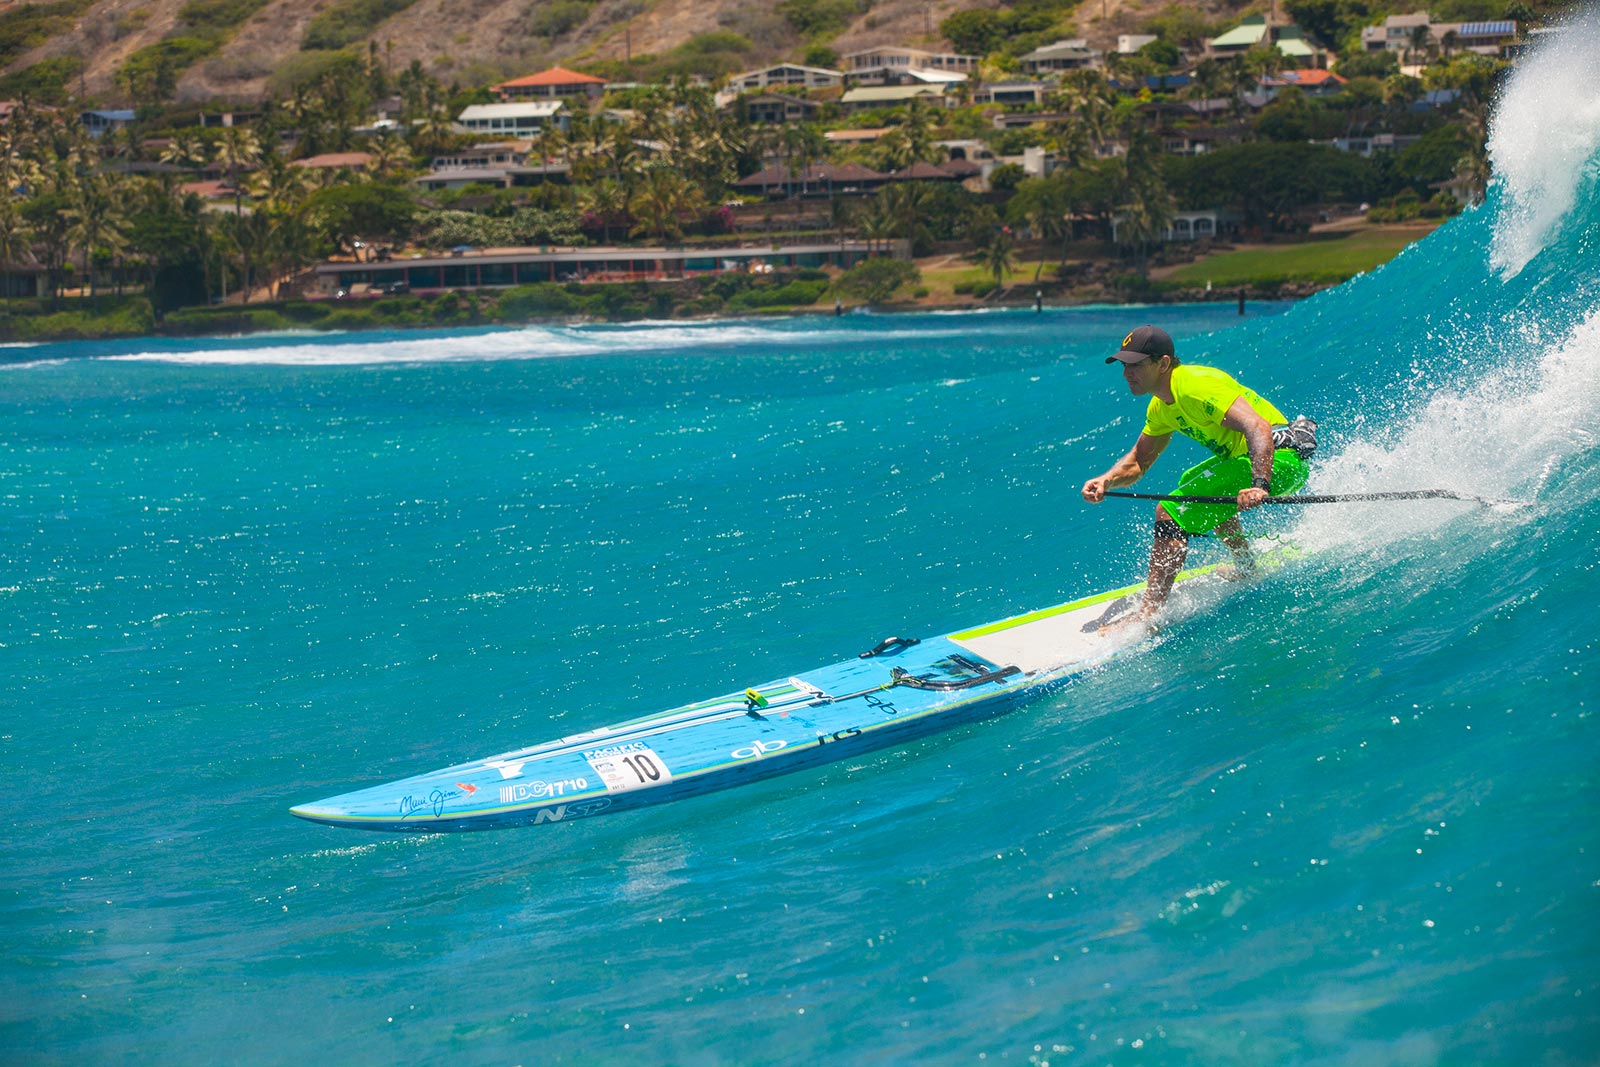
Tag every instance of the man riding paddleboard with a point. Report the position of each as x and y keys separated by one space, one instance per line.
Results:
x=1256 y=453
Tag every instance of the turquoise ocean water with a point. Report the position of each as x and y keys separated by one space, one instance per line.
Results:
x=1348 y=817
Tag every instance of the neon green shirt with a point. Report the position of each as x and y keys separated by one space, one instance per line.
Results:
x=1203 y=396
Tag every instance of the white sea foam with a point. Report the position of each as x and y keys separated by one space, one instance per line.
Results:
x=1509 y=434
x=1544 y=139
x=531 y=343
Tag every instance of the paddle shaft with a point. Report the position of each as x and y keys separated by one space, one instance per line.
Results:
x=1337 y=498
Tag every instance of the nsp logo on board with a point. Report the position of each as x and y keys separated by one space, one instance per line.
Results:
x=576 y=810
x=525 y=791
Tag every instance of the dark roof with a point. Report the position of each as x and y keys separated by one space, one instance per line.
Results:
x=920 y=172
x=960 y=168
x=818 y=174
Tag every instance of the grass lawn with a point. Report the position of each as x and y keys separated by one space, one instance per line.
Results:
x=941 y=282
x=1328 y=259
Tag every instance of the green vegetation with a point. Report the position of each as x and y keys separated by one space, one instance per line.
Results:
x=712 y=55
x=348 y=21
x=665 y=170
x=1325 y=261
x=876 y=281
x=815 y=19
x=204 y=26
x=555 y=19
x=1011 y=31
x=30 y=25
x=80 y=319
x=45 y=82
x=151 y=73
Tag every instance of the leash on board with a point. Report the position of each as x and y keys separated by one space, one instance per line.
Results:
x=1335 y=498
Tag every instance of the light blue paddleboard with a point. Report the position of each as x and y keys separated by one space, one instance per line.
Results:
x=899 y=690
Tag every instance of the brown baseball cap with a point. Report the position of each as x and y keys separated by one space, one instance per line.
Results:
x=1143 y=343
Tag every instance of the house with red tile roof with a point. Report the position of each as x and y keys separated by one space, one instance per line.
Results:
x=555 y=83
x=1311 y=82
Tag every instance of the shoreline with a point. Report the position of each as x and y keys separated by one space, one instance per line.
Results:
x=277 y=317
x=16 y=354
x=1267 y=277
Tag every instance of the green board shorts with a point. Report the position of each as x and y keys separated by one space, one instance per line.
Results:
x=1219 y=476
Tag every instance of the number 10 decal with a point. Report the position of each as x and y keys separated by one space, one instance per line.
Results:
x=630 y=766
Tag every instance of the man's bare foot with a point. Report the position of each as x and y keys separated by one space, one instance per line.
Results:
x=1132 y=622
x=1235 y=572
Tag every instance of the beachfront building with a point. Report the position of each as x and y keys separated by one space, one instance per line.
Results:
x=503 y=269
x=1011 y=94
x=875 y=96
x=99 y=122
x=503 y=164
x=1417 y=34
x=1310 y=82
x=1191 y=225
x=524 y=119
x=1255 y=32
x=557 y=83
x=816 y=180
x=896 y=66
x=1370 y=145
x=1061 y=56
x=776 y=108
x=787 y=75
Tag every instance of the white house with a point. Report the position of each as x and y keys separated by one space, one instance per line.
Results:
x=518 y=120
x=785 y=74
x=889 y=65
x=1063 y=55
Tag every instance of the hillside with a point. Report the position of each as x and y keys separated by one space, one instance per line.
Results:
x=479 y=41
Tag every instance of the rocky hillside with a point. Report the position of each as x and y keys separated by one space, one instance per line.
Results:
x=480 y=41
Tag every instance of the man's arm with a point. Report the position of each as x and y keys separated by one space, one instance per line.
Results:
x=1130 y=468
x=1258 y=436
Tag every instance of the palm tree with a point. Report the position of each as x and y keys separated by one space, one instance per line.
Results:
x=875 y=221
x=1085 y=102
x=280 y=185
x=607 y=201
x=16 y=242
x=893 y=151
x=918 y=125
x=586 y=138
x=804 y=144
x=1147 y=208
x=391 y=156
x=237 y=152
x=97 y=223
x=996 y=254
x=906 y=203
x=1419 y=42
x=435 y=133
x=551 y=142
x=1208 y=81
x=1047 y=220
x=662 y=200
x=185 y=149
x=1472 y=169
